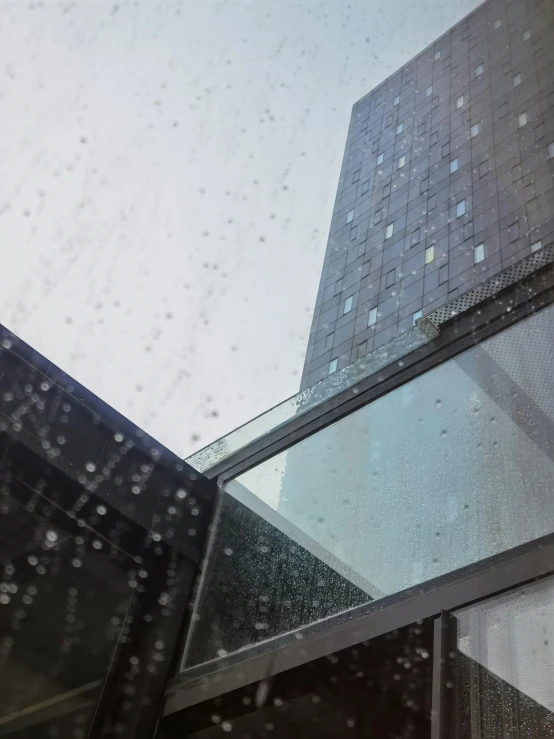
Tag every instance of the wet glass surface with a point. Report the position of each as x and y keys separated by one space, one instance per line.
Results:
x=454 y=466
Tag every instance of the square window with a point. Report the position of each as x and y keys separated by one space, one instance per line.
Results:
x=474 y=130
x=372 y=318
x=349 y=216
x=429 y=254
x=536 y=246
x=522 y=120
x=453 y=166
x=389 y=230
x=332 y=366
x=428 y=91
x=391 y=276
x=459 y=102
x=396 y=100
x=437 y=55
x=399 y=128
x=401 y=161
x=479 y=70
x=431 y=202
x=380 y=158
x=415 y=237
x=497 y=24
x=478 y=253
x=416 y=316
x=365 y=187
x=517 y=80
x=460 y=208
x=551 y=150
x=527 y=34
x=348 y=305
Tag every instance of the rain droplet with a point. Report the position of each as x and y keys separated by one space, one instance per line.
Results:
x=90 y=467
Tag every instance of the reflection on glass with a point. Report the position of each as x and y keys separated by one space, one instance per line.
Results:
x=452 y=467
x=504 y=676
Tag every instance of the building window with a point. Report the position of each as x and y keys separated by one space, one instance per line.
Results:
x=396 y=100
x=356 y=176
x=349 y=216
x=431 y=203
x=399 y=128
x=483 y=169
x=421 y=129
x=380 y=158
x=474 y=130
x=429 y=254
x=479 y=70
x=522 y=120
x=459 y=102
x=460 y=208
x=551 y=150
x=415 y=237
x=416 y=316
x=453 y=166
x=536 y=246
x=497 y=24
x=372 y=318
x=428 y=91
x=437 y=55
x=353 y=233
x=386 y=192
x=365 y=187
x=332 y=366
x=517 y=80
x=401 y=161
x=424 y=186
x=348 y=305
x=378 y=217
x=478 y=253
x=445 y=150
x=389 y=230
x=527 y=34
x=391 y=278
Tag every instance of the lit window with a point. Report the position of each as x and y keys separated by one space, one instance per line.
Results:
x=478 y=253
x=437 y=55
x=460 y=102
x=416 y=316
x=372 y=318
x=348 y=305
x=536 y=246
x=527 y=34
x=401 y=161
x=497 y=24
x=349 y=216
x=474 y=130
x=396 y=100
x=333 y=366
x=399 y=128
x=453 y=166
x=460 y=208
x=551 y=150
x=428 y=91
x=517 y=80
x=479 y=70
x=389 y=230
x=380 y=158
x=522 y=120
x=429 y=254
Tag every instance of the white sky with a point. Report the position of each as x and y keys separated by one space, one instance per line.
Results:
x=168 y=171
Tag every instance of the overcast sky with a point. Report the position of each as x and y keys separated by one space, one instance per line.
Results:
x=168 y=171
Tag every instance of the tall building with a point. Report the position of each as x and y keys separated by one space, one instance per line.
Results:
x=446 y=180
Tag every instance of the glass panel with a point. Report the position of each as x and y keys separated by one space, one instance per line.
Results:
x=504 y=666
x=452 y=467
x=380 y=688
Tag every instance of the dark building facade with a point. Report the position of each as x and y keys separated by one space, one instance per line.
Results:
x=446 y=181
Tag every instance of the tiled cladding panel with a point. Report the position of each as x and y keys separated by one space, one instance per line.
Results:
x=464 y=138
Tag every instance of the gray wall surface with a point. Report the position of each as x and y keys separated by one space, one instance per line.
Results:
x=488 y=71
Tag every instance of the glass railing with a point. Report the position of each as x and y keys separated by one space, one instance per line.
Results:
x=452 y=467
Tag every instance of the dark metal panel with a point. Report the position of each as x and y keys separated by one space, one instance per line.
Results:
x=441 y=648
x=464 y=586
